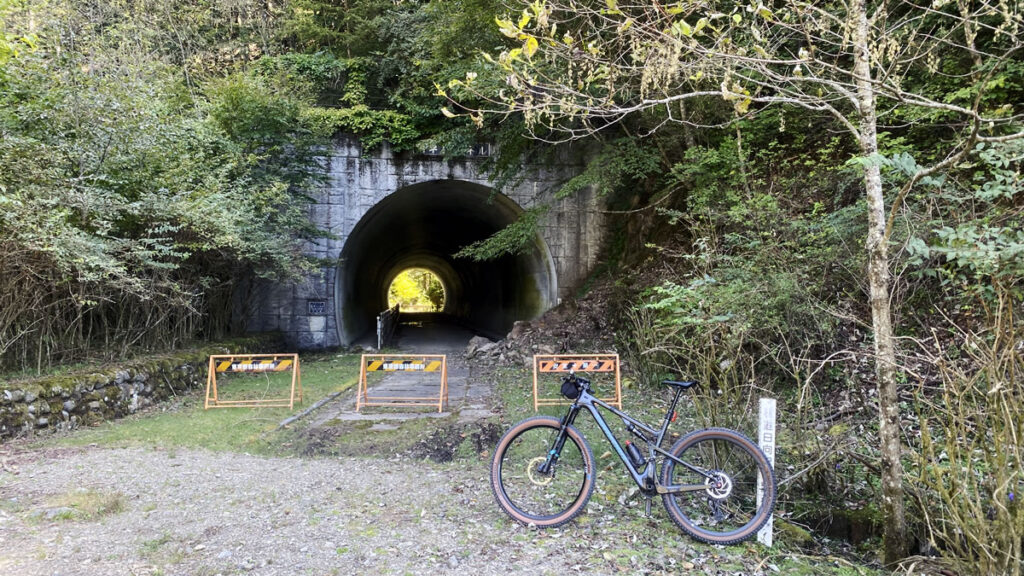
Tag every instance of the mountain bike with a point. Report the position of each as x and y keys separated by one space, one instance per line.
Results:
x=716 y=484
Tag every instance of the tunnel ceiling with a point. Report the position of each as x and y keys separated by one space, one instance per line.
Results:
x=422 y=226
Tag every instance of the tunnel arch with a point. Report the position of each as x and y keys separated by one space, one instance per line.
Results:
x=422 y=226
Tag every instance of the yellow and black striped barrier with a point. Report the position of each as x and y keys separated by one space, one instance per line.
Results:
x=253 y=364
x=435 y=363
x=564 y=363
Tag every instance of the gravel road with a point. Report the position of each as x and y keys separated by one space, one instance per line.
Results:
x=186 y=512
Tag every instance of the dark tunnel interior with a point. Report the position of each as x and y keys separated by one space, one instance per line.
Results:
x=422 y=226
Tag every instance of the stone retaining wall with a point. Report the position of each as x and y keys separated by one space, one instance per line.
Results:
x=66 y=401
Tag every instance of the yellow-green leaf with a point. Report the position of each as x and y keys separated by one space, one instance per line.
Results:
x=447 y=113
x=737 y=18
x=530 y=47
x=524 y=19
x=625 y=25
x=507 y=27
x=612 y=5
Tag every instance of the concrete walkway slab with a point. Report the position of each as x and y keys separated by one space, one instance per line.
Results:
x=468 y=395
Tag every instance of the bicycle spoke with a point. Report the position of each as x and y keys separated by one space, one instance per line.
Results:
x=726 y=511
x=547 y=497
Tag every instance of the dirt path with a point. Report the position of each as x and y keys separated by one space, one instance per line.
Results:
x=202 y=513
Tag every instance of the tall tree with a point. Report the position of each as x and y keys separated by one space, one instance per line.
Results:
x=582 y=67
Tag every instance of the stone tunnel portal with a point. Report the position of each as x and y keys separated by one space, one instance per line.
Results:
x=422 y=226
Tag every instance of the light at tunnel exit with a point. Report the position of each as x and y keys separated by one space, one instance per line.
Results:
x=416 y=290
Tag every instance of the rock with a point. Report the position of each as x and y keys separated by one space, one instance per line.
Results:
x=51 y=514
x=474 y=345
x=69 y=406
x=224 y=555
x=43 y=422
x=30 y=397
x=14 y=395
x=453 y=562
x=518 y=329
x=95 y=405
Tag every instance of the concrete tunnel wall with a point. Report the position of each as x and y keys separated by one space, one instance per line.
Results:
x=385 y=212
x=422 y=226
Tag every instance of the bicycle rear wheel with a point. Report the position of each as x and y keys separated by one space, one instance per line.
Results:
x=727 y=511
x=530 y=496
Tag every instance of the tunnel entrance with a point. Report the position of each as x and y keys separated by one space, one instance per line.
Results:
x=421 y=226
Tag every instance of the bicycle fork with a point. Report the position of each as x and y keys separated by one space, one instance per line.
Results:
x=547 y=467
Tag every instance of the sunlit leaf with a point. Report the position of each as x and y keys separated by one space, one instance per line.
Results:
x=530 y=47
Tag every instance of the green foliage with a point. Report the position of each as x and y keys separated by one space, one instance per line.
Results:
x=623 y=162
x=373 y=127
x=11 y=45
x=129 y=211
x=978 y=236
x=347 y=28
x=516 y=238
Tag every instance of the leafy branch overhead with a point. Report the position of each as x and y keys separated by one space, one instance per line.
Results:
x=582 y=67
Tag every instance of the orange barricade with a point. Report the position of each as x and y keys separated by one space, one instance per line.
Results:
x=403 y=363
x=253 y=364
x=588 y=363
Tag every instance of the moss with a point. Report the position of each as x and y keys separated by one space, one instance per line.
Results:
x=181 y=370
x=792 y=534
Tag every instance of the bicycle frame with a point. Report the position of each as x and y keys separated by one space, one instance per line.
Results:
x=646 y=479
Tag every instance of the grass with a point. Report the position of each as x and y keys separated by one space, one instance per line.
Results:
x=652 y=541
x=87 y=504
x=184 y=423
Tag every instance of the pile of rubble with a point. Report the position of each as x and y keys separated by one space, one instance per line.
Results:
x=580 y=326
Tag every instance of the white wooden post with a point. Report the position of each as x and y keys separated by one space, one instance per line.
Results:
x=766 y=439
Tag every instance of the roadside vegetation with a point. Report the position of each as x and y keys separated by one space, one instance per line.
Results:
x=622 y=538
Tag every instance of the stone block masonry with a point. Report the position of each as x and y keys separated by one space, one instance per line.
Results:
x=67 y=401
x=358 y=182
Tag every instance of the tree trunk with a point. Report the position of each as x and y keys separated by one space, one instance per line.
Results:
x=894 y=537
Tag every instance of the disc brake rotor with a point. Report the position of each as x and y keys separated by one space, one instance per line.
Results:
x=535 y=476
x=719 y=485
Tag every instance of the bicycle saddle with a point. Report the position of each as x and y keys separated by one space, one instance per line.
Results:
x=678 y=384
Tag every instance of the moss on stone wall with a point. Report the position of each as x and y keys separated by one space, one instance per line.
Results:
x=92 y=395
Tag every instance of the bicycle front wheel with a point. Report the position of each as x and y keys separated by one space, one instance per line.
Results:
x=542 y=498
x=728 y=465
